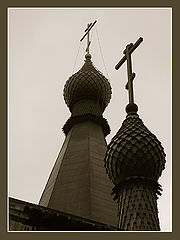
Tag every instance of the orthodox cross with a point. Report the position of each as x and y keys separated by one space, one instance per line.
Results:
x=89 y=27
x=129 y=49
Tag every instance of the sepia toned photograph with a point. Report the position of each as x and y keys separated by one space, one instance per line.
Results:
x=89 y=119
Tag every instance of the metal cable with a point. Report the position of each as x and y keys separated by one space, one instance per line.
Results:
x=102 y=53
x=76 y=58
x=83 y=48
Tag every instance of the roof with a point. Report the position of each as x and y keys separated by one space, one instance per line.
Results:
x=134 y=151
x=27 y=216
x=87 y=83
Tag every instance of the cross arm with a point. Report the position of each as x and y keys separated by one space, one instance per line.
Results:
x=88 y=29
x=132 y=48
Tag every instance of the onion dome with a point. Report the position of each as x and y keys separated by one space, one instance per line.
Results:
x=134 y=151
x=87 y=83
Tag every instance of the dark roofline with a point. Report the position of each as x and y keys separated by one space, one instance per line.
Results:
x=45 y=219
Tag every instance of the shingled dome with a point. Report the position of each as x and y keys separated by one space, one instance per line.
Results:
x=87 y=83
x=134 y=152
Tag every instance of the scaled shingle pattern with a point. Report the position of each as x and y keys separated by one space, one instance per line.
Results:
x=87 y=83
x=134 y=151
x=138 y=207
x=134 y=161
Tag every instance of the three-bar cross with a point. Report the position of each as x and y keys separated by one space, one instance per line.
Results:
x=89 y=27
x=129 y=49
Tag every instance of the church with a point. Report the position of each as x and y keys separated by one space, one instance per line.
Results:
x=94 y=186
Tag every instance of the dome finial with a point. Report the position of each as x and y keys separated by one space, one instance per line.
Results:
x=131 y=107
x=89 y=27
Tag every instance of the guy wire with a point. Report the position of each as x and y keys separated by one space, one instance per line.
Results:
x=76 y=58
x=102 y=54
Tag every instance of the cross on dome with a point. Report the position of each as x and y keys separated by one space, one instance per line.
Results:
x=129 y=49
x=89 y=27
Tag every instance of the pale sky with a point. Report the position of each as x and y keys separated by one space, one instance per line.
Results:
x=43 y=47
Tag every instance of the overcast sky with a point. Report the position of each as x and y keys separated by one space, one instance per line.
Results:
x=43 y=48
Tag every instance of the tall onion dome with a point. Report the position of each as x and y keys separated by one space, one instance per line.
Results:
x=87 y=93
x=134 y=162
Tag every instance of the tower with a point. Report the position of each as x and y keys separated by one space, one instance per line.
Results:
x=134 y=162
x=78 y=183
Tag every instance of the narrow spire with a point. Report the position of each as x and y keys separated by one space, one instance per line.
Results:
x=129 y=86
x=87 y=33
